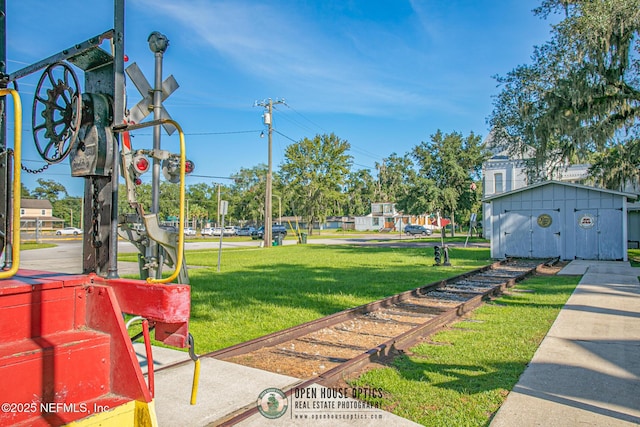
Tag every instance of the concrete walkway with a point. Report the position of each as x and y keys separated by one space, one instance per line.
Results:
x=586 y=372
x=226 y=388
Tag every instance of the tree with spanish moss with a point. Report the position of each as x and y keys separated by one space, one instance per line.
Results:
x=581 y=93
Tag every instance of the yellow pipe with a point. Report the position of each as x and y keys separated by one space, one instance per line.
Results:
x=196 y=378
x=183 y=162
x=17 y=162
x=179 y=261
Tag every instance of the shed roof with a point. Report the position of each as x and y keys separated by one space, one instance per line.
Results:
x=566 y=184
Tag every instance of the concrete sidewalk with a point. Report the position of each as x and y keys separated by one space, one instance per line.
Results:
x=225 y=388
x=587 y=370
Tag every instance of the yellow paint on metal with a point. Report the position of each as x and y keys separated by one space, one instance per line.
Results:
x=17 y=163
x=196 y=379
x=133 y=413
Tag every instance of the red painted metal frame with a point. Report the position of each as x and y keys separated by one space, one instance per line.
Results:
x=167 y=306
x=58 y=331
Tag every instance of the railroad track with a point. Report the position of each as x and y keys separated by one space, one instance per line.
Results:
x=326 y=350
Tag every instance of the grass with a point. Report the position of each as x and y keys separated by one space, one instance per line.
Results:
x=25 y=246
x=259 y=291
x=634 y=257
x=463 y=380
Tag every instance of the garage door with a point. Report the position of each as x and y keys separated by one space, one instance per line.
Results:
x=598 y=234
x=533 y=233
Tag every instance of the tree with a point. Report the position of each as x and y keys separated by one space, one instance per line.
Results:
x=451 y=163
x=581 y=93
x=247 y=193
x=313 y=172
x=49 y=189
x=70 y=210
x=24 y=191
x=617 y=166
x=359 y=193
x=202 y=202
x=395 y=174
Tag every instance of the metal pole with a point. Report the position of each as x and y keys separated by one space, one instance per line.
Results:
x=118 y=118
x=268 y=201
x=158 y=44
x=218 y=210
x=220 y=247
x=5 y=185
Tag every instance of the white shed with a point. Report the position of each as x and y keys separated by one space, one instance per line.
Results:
x=557 y=219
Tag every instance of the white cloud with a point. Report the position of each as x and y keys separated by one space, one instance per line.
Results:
x=353 y=69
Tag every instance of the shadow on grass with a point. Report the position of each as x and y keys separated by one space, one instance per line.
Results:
x=463 y=379
x=321 y=279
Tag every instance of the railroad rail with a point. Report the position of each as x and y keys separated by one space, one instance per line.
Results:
x=326 y=350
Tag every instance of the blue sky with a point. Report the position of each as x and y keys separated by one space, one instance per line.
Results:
x=383 y=75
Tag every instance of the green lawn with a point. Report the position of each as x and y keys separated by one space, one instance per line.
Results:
x=464 y=375
x=25 y=246
x=259 y=291
x=461 y=381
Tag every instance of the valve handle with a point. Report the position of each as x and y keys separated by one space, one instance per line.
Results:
x=57 y=111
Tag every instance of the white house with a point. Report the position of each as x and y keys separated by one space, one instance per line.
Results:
x=383 y=217
x=32 y=210
x=504 y=173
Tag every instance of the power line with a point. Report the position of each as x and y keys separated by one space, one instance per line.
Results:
x=305 y=117
x=282 y=134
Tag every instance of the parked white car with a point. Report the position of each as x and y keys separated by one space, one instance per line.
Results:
x=69 y=231
x=231 y=230
x=208 y=231
x=188 y=231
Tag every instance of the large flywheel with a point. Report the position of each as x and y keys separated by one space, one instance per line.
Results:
x=57 y=112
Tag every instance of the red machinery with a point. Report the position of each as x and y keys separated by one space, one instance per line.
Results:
x=65 y=354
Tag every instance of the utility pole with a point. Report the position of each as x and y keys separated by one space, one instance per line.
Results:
x=267 y=116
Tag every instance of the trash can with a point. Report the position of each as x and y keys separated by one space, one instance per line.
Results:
x=303 y=238
x=278 y=240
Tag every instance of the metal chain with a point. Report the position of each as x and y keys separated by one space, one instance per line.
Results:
x=40 y=170
x=35 y=171
x=95 y=217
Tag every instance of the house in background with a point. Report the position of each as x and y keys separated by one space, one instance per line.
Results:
x=34 y=210
x=383 y=217
x=504 y=173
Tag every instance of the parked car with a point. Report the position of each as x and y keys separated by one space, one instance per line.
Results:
x=211 y=231
x=245 y=231
x=276 y=229
x=417 y=229
x=207 y=231
x=188 y=231
x=68 y=231
x=230 y=230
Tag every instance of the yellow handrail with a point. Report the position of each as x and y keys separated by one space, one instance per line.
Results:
x=17 y=161
x=183 y=161
x=181 y=215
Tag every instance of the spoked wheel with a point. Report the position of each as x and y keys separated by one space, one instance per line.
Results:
x=56 y=114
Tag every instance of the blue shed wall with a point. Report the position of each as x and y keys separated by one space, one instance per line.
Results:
x=577 y=222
